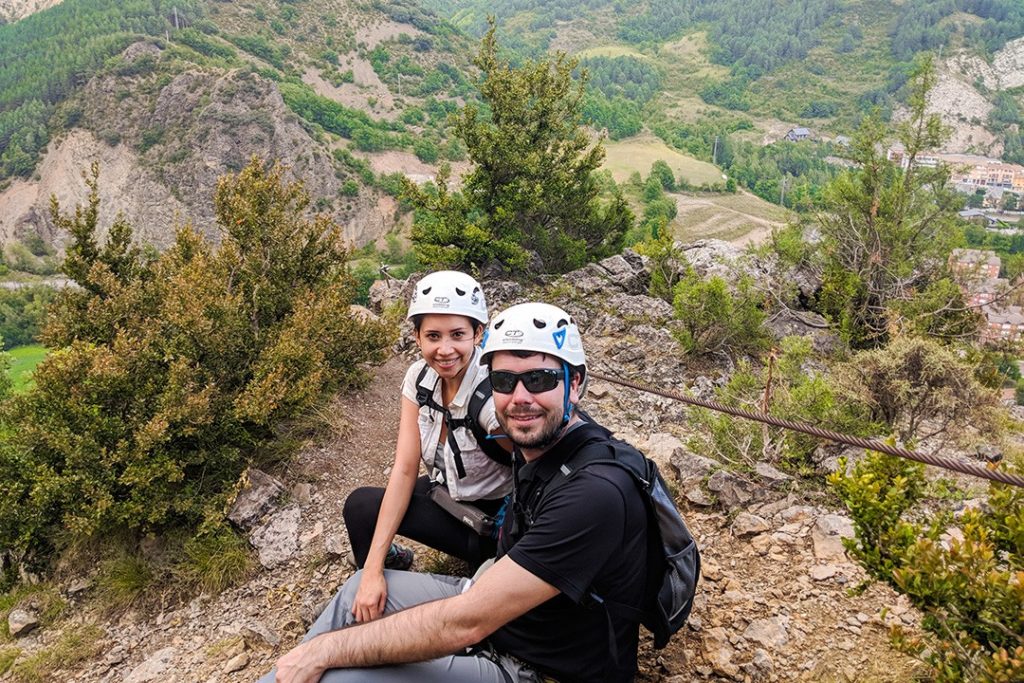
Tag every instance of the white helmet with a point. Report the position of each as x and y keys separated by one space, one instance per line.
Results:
x=536 y=327
x=449 y=292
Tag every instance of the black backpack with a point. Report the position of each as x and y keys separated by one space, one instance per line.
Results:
x=673 y=561
x=491 y=448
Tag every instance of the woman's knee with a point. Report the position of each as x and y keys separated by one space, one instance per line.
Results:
x=362 y=503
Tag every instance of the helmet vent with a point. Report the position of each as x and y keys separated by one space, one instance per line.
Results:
x=539 y=324
x=562 y=323
x=460 y=292
x=498 y=324
x=427 y=291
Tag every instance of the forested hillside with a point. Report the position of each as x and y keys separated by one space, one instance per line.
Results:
x=699 y=73
x=173 y=94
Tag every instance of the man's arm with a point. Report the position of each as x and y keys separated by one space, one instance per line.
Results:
x=434 y=629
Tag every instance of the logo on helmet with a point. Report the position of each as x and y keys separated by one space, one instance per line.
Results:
x=442 y=301
x=559 y=337
x=514 y=333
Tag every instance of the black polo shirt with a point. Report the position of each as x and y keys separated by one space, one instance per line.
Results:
x=588 y=536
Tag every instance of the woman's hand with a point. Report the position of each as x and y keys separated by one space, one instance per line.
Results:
x=371 y=596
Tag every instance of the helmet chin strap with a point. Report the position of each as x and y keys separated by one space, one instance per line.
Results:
x=566 y=406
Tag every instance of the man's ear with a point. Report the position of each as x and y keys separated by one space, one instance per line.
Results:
x=574 y=389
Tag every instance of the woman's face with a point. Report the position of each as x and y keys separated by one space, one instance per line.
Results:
x=447 y=343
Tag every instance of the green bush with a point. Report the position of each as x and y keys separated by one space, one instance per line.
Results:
x=169 y=376
x=969 y=588
x=22 y=312
x=782 y=387
x=716 y=318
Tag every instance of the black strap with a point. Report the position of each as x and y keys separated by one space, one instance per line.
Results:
x=425 y=397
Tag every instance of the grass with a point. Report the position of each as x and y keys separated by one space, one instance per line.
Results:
x=216 y=560
x=610 y=51
x=46 y=599
x=77 y=643
x=636 y=154
x=24 y=360
x=7 y=657
x=123 y=579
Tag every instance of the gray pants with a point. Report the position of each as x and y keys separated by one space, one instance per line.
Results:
x=406 y=589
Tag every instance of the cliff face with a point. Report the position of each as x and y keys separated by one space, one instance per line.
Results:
x=12 y=10
x=163 y=144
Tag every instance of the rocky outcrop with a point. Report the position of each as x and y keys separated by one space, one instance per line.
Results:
x=13 y=10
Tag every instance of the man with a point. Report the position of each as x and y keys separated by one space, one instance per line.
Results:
x=533 y=615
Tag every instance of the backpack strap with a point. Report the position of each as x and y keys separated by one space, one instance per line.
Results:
x=425 y=397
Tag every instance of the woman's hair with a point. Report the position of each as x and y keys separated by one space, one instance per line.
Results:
x=417 y=320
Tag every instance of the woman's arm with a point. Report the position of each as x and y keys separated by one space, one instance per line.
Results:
x=369 y=603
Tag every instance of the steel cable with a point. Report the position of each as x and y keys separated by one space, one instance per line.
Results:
x=838 y=437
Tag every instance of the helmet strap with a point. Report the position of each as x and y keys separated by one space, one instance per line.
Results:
x=566 y=406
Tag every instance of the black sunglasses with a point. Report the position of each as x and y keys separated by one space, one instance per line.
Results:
x=535 y=381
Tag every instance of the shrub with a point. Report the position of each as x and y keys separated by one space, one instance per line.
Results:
x=715 y=318
x=783 y=387
x=969 y=588
x=169 y=376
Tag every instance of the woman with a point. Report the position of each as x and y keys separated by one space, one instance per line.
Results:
x=449 y=314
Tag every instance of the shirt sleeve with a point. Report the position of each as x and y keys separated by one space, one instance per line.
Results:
x=409 y=383
x=576 y=531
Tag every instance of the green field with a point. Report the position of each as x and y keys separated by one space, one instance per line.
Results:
x=24 y=361
x=624 y=157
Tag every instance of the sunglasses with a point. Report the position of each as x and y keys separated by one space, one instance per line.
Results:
x=535 y=381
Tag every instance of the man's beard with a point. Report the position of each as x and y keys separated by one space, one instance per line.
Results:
x=549 y=432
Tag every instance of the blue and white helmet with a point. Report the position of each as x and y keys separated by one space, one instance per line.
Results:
x=536 y=327
x=451 y=293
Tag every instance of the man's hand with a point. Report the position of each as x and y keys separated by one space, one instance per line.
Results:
x=302 y=664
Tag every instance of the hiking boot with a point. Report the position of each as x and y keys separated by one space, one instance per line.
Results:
x=399 y=557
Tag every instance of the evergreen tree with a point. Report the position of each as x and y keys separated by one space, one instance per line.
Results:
x=887 y=233
x=532 y=193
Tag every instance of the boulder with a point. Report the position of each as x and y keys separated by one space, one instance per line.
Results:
x=788 y=323
x=155 y=668
x=732 y=491
x=827 y=535
x=746 y=525
x=21 y=621
x=255 y=499
x=771 y=633
x=277 y=541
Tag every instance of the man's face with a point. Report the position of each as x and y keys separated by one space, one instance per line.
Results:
x=531 y=420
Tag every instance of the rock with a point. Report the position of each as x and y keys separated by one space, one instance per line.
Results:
x=278 y=540
x=763 y=661
x=21 y=622
x=78 y=587
x=303 y=493
x=311 y=535
x=154 y=668
x=335 y=546
x=732 y=491
x=624 y=273
x=787 y=322
x=363 y=314
x=237 y=663
x=661 y=447
x=641 y=308
x=746 y=525
x=698 y=497
x=255 y=631
x=691 y=468
x=718 y=652
x=771 y=633
x=255 y=498
x=827 y=535
x=387 y=292
x=797 y=513
x=770 y=474
x=822 y=572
